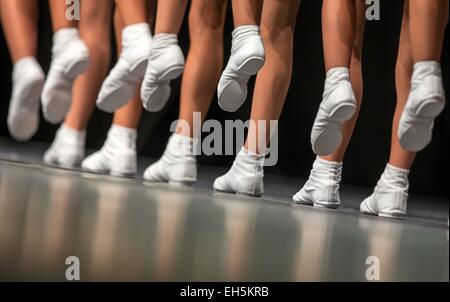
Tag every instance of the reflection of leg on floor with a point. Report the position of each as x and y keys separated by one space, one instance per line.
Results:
x=313 y=249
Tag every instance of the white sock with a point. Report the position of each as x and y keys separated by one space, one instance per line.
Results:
x=425 y=102
x=390 y=196
x=178 y=164
x=70 y=57
x=245 y=176
x=67 y=149
x=166 y=62
x=338 y=105
x=322 y=187
x=27 y=81
x=121 y=84
x=118 y=155
x=247 y=58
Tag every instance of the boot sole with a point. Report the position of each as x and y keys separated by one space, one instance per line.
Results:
x=331 y=136
x=234 y=94
x=418 y=135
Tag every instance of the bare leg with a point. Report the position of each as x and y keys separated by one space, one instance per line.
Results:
x=247 y=12
x=132 y=11
x=58 y=14
x=19 y=21
x=339 y=31
x=94 y=30
x=170 y=16
x=399 y=157
x=130 y=114
x=428 y=20
x=355 y=74
x=272 y=83
x=204 y=61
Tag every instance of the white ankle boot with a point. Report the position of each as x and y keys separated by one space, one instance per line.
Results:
x=425 y=102
x=67 y=149
x=166 y=62
x=338 y=105
x=118 y=155
x=121 y=84
x=70 y=57
x=247 y=58
x=245 y=176
x=27 y=82
x=390 y=196
x=178 y=164
x=322 y=187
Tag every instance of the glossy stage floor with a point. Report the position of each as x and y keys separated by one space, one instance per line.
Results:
x=128 y=230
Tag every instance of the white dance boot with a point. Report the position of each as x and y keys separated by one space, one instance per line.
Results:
x=67 y=149
x=245 y=176
x=166 y=62
x=247 y=58
x=338 y=105
x=425 y=102
x=70 y=57
x=27 y=82
x=118 y=155
x=178 y=164
x=322 y=188
x=390 y=196
x=121 y=84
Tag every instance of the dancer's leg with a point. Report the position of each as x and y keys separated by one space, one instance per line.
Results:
x=204 y=61
x=123 y=80
x=118 y=155
x=58 y=12
x=166 y=60
x=19 y=22
x=203 y=66
x=355 y=78
x=170 y=15
x=272 y=84
x=247 y=12
x=247 y=54
x=391 y=193
x=68 y=146
x=339 y=26
x=70 y=58
x=426 y=101
x=322 y=188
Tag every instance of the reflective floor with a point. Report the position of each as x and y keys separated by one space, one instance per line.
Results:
x=124 y=230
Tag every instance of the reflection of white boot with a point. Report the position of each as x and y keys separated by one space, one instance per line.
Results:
x=247 y=58
x=166 y=62
x=121 y=84
x=27 y=82
x=338 y=105
x=67 y=149
x=322 y=187
x=425 y=102
x=70 y=57
x=178 y=164
x=390 y=196
x=245 y=176
x=117 y=156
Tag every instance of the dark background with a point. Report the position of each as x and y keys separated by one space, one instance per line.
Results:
x=369 y=149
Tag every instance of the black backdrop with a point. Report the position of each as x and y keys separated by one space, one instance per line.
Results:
x=369 y=149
